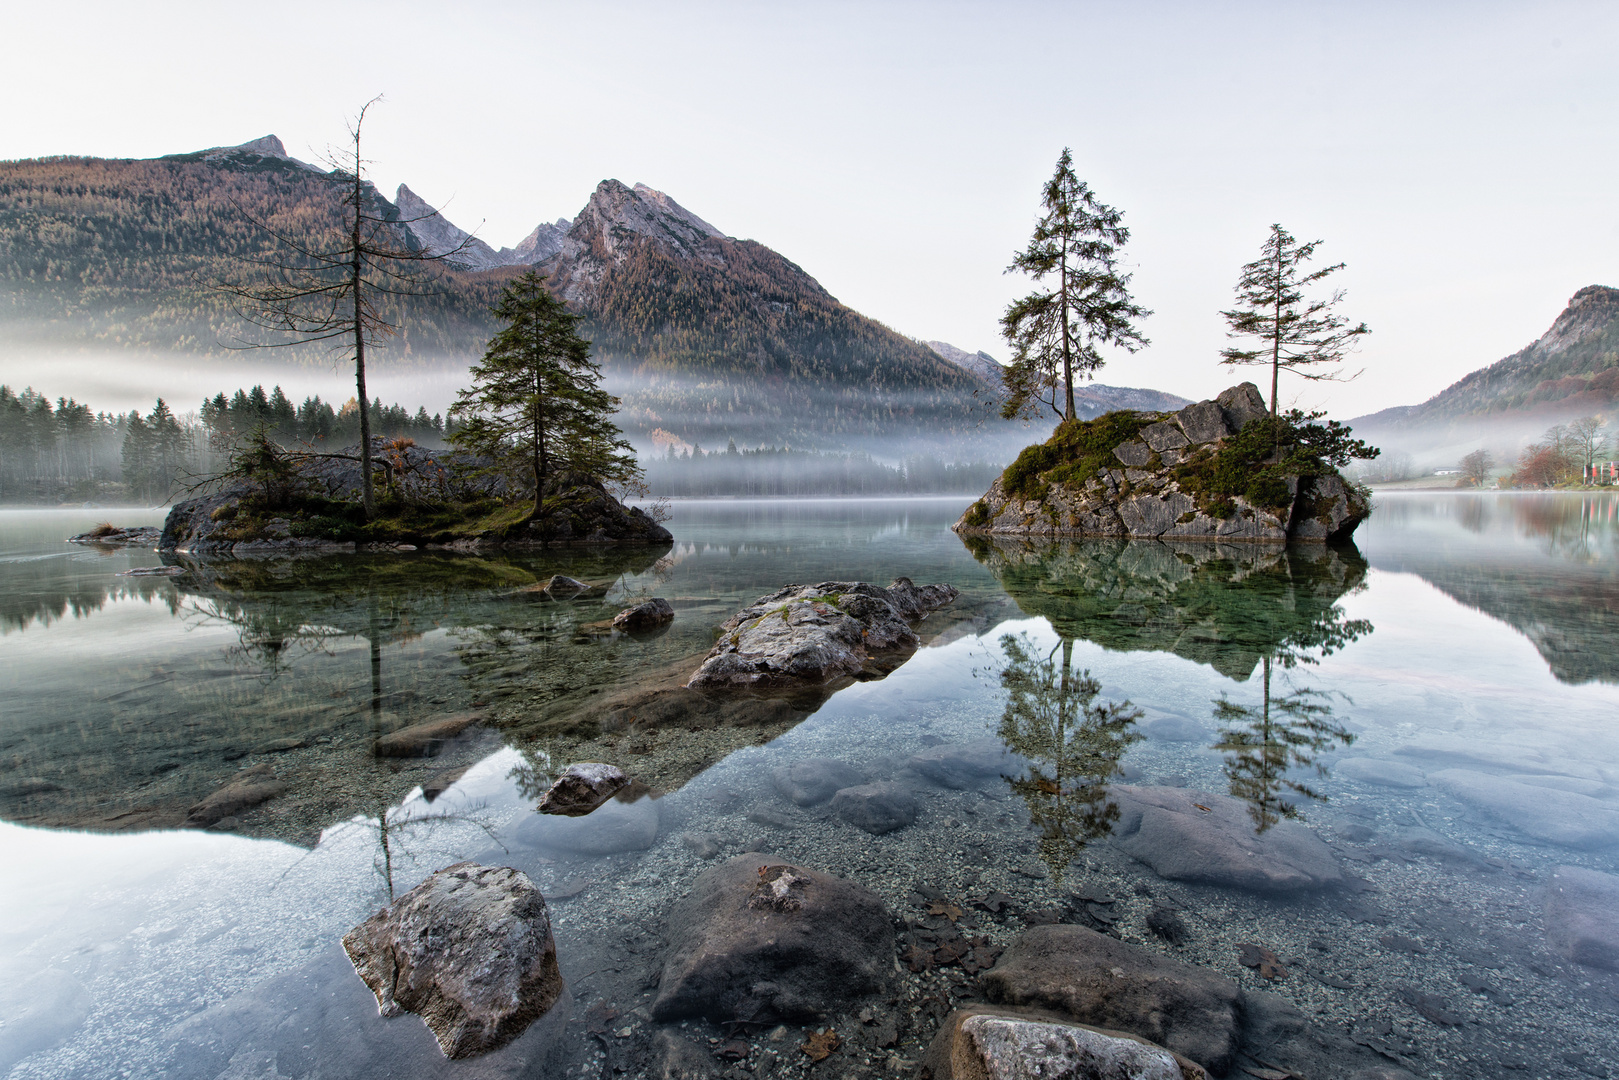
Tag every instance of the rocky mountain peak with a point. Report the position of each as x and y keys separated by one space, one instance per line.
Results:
x=618 y=214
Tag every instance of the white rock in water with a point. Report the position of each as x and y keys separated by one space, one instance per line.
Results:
x=469 y=950
x=1011 y=1049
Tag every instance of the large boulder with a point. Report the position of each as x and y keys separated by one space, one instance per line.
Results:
x=761 y=941
x=1582 y=916
x=1082 y=975
x=808 y=634
x=987 y=1042
x=250 y=788
x=877 y=808
x=810 y=781
x=1195 y=836
x=966 y=764
x=644 y=617
x=469 y=950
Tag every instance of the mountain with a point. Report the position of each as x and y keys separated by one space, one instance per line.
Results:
x=706 y=337
x=1571 y=370
x=985 y=366
x=434 y=233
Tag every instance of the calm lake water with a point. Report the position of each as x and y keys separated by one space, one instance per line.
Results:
x=1437 y=708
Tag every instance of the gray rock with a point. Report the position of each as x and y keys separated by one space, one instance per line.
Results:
x=1582 y=916
x=581 y=788
x=1418 y=840
x=1095 y=979
x=1164 y=435
x=1195 y=836
x=702 y=845
x=681 y=1059
x=563 y=586
x=807 y=634
x=1327 y=510
x=616 y=826
x=648 y=615
x=1558 y=817
x=1203 y=422
x=145 y=536
x=772 y=942
x=1134 y=452
x=877 y=808
x=979 y=1042
x=1242 y=403
x=810 y=781
x=964 y=765
x=469 y=950
x=422 y=740
x=1381 y=772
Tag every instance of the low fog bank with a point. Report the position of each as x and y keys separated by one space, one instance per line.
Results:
x=781 y=472
x=1417 y=449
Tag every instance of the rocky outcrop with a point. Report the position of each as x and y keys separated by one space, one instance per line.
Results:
x=760 y=941
x=808 y=634
x=986 y=1042
x=314 y=506
x=145 y=536
x=469 y=950
x=1082 y=975
x=1135 y=490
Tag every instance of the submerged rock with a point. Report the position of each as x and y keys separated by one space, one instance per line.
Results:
x=1194 y=836
x=1582 y=916
x=988 y=1043
x=762 y=941
x=1381 y=772
x=469 y=950
x=253 y=787
x=1141 y=489
x=581 y=788
x=808 y=634
x=1557 y=816
x=810 y=781
x=649 y=615
x=877 y=808
x=114 y=536
x=1082 y=975
x=422 y=740
x=966 y=764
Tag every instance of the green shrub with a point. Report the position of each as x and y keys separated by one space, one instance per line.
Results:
x=1074 y=453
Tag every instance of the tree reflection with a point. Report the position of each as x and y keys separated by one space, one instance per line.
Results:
x=1072 y=743
x=1263 y=745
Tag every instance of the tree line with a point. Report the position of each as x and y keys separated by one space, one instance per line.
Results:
x=63 y=450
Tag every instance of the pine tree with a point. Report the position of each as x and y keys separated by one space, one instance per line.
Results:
x=1055 y=333
x=536 y=407
x=1295 y=333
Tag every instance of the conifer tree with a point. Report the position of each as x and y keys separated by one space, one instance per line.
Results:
x=536 y=407
x=1294 y=333
x=1055 y=332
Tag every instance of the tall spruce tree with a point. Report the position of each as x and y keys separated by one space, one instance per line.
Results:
x=1055 y=332
x=1294 y=333
x=536 y=407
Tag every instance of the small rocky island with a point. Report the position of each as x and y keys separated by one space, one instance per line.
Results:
x=1216 y=470
x=291 y=502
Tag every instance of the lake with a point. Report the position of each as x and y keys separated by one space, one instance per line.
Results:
x=1390 y=751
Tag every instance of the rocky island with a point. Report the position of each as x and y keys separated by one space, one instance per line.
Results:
x=1223 y=469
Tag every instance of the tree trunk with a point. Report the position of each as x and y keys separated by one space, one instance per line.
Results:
x=1062 y=313
x=367 y=496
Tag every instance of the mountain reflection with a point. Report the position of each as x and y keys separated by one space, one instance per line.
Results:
x=1071 y=743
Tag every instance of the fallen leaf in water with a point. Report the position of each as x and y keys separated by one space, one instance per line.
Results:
x=949 y=911
x=1205 y=809
x=1266 y=962
x=821 y=1044
x=1048 y=787
x=599 y=1020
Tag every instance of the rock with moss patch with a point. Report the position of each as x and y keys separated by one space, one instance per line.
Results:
x=1207 y=472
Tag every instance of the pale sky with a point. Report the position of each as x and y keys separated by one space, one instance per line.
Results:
x=1460 y=157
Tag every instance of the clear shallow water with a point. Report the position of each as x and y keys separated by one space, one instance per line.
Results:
x=1463 y=649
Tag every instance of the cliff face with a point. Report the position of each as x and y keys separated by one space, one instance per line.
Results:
x=1164 y=476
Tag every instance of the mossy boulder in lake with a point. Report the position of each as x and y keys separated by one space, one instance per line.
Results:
x=1216 y=470
x=312 y=502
